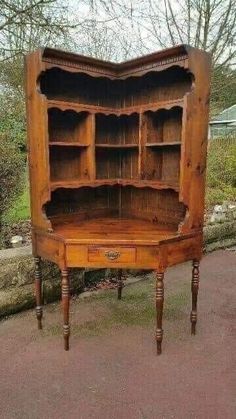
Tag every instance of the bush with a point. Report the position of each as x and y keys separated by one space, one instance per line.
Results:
x=221 y=171
x=11 y=172
x=12 y=117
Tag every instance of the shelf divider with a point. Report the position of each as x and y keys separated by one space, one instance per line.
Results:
x=91 y=150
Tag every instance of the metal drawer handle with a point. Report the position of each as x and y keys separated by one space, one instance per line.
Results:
x=112 y=254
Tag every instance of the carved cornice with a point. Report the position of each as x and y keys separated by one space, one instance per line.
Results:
x=120 y=71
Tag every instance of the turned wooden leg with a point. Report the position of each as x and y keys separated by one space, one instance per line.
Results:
x=194 y=287
x=65 y=291
x=38 y=291
x=119 y=283
x=159 y=309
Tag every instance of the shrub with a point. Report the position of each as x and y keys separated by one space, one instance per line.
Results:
x=221 y=171
x=12 y=117
x=11 y=172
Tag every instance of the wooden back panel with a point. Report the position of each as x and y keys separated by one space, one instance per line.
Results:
x=170 y=84
x=112 y=129
x=158 y=207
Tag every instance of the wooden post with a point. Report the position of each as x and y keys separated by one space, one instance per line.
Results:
x=194 y=288
x=159 y=309
x=38 y=291
x=65 y=291
x=119 y=283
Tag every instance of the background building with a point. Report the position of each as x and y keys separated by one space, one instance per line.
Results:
x=224 y=123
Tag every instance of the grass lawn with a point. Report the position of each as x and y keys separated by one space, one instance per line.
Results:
x=103 y=312
x=20 y=209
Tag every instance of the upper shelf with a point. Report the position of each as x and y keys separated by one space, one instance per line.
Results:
x=117 y=146
x=67 y=144
x=154 y=184
x=77 y=107
x=164 y=144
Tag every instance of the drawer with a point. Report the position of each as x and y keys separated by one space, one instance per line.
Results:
x=137 y=257
x=112 y=254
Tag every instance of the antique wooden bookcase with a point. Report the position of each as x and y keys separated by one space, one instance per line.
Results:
x=117 y=158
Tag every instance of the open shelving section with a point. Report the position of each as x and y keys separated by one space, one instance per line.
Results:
x=162 y=138
x=120 y=135
x=117 y=146
x=115 y=94
x=138 y=146
x=70 y=150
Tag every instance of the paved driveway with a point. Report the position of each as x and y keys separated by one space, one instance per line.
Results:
x=112 y=370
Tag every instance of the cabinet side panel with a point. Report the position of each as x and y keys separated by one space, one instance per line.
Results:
x=194 y=141
x=37 y=134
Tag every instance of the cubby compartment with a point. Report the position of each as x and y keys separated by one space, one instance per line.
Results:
x=86 y=202
x=68 y=163
x=156 y=206
x=154 y=86
x=117 y=131
x=161 y=138
x=68 y=127
x=162 y=164
x=113 y=203
x=163 y=127
x=116 y=164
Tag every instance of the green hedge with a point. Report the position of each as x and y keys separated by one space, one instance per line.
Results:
x=221 y=171
x=11 y=173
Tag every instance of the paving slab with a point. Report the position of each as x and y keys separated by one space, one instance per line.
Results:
x=114 y=372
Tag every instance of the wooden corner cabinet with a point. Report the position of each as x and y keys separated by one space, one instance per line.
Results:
x=117 y=158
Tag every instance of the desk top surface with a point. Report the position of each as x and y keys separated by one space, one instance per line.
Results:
x=113 y=231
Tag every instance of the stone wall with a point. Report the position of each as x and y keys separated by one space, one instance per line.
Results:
x=17 y=280
x=220 y=229
x=16 y=271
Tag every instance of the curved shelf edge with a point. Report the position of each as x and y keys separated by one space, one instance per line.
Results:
x=112 y=182
x=73 y=106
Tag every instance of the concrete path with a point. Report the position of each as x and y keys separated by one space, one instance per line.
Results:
x=115 y=372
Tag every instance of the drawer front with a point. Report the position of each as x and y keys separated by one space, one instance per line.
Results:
x=112 y=254
x=101 y=256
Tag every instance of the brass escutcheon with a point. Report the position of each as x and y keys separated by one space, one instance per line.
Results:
x=112 y=254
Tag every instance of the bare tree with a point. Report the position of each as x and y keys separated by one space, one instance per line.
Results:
x=110 y=30
x=223 y=89
x=148 y=25
x=27 y=24
x=206 y=24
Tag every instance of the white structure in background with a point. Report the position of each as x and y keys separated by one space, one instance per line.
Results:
x=16 y=241
x=223 y=213
x=224 y=123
